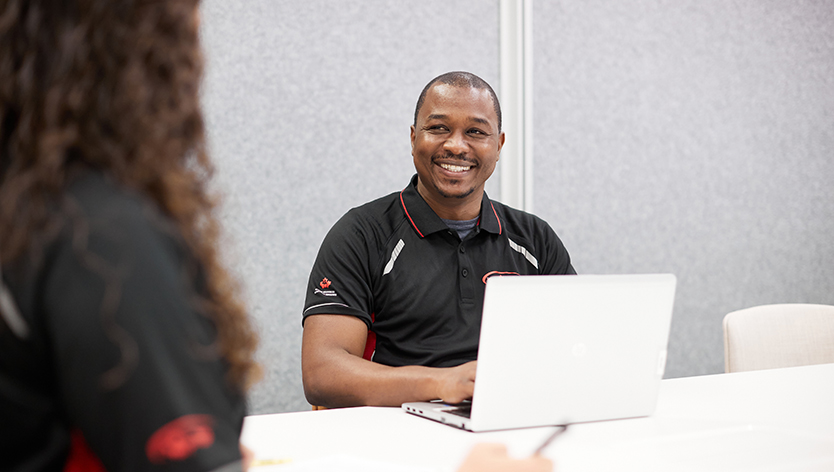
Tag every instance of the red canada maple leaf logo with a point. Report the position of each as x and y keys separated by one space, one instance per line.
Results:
x=324 y=283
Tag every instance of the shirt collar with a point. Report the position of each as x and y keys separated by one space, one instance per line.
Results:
x=425 y=221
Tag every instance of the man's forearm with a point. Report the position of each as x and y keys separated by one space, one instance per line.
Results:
x=335 y=374
x=348 y=380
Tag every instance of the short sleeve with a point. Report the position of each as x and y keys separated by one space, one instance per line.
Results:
x=340 y=281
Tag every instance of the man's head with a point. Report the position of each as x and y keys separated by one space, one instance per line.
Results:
x=455 y=141
x=460 y=79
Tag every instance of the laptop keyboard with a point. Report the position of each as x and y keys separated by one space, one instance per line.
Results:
x=464 y=411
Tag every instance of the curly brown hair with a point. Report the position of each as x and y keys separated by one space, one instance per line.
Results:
x=113 y=85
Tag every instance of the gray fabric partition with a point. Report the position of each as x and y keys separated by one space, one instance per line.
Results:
x=308 y=106
x=694 y=137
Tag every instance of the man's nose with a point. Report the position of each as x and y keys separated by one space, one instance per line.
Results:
x=455 y=144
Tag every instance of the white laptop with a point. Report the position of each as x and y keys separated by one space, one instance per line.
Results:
x=561 y=349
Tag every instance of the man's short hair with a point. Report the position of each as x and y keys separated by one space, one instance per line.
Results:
x=460 y=79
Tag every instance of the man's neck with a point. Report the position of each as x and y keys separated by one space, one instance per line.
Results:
x=465 y=208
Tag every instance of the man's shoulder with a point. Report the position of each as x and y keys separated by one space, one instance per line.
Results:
x=380 y=206
x=534 y=234
x=380 y=218
x=519 y=221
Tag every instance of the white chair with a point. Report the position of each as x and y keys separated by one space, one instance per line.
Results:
x=772 y=336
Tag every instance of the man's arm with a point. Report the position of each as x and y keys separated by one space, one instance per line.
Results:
x=335 y=374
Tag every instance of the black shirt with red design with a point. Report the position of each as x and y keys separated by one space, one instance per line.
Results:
x=394 y=264
x=107 y=359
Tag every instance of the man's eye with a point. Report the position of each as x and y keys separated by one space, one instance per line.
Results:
x=436 y=128
x=476 y=132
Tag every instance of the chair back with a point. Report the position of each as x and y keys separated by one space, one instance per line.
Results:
x=773 y=336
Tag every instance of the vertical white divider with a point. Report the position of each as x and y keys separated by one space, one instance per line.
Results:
x=516 y=95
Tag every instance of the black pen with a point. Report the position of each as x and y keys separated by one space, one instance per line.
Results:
x=559 y=430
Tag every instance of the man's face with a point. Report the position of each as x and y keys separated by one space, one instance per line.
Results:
x=455 y=144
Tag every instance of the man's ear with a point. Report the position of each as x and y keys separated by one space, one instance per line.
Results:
x=501 y=143
x=413 y=136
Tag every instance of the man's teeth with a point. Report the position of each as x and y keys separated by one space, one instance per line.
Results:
x=452 y=168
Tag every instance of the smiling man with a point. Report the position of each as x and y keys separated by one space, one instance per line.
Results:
x=394 y=300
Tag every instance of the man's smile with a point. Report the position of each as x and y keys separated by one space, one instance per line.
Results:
x=455 y=168
x=456 y=164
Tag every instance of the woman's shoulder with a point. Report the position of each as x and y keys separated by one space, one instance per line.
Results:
x=97 y=208
x=95 y=195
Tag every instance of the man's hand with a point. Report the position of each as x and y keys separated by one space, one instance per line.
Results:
x=486 y=457
x=456 y=384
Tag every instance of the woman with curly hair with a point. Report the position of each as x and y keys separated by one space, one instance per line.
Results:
x=123 y=340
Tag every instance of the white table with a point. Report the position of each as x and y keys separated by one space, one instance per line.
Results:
x=774 y=420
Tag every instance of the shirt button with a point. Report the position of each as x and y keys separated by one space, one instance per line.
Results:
x=462 y=249
x=464 y=272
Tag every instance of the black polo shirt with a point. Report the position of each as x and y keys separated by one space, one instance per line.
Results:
x=395 y=265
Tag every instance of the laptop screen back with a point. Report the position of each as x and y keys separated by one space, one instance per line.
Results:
x=566 y=349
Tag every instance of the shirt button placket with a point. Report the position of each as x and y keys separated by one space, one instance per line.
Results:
x=462 y=261
x=467 y=290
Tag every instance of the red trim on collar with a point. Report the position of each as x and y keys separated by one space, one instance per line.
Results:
x=496 y=216
x=409 y=216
